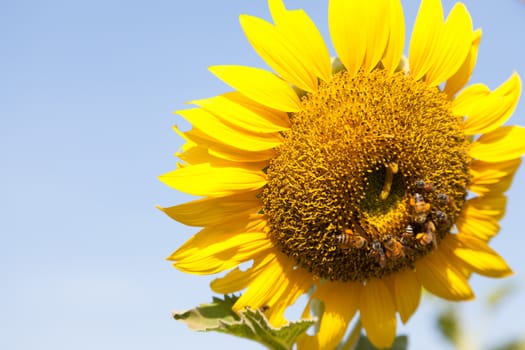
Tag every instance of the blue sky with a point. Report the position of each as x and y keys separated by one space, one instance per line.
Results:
x=87 y=90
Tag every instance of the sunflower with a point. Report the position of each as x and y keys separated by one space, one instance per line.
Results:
x=357 y=180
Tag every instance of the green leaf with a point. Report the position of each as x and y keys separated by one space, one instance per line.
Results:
x=400 y=343
x=209 y=316
x=448 y=324
x=250 y=324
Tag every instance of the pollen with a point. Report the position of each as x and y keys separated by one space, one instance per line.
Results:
x=370 y=177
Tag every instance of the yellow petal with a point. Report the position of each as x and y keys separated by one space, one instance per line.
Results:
x=216 y=148
x=462 y=103
x=360 y=32
x=200 y=148
x=260 y=85
x=340 y=305
x=213 y=211
x=462 y=76
x=377 y=30
x=484 y=189
x=209 y=265
x=452 y=46
x=277 y=286
x=504 y=143
x=440 y=277
x=487 y=206
x=189 y=142
x=193 y=155
x=347 y=24
x=209 y=124
x=486 y=111
x=236 y=224
x=302 y=34
x=299 y=281
x=493 y=178
x=194 y=137
x=206 y=180
x=201 y=154
x=407 y=293
x=212 y=251
x=425 y=37
x=478 y=226
x=278 y=53
x=396 y=38
x=237 y=280
x=476 y=255
x=236 y=155
x=378 y=313
x=235 y=109
x=259 y=290
x=228 y=254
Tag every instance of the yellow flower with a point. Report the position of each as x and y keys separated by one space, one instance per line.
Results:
x=359 y=180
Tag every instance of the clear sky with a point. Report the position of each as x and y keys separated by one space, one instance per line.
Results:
x=87 y=90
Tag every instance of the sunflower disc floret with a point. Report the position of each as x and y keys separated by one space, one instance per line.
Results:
x=371 y=176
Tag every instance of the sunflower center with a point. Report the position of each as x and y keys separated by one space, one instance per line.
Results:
x=371 y=176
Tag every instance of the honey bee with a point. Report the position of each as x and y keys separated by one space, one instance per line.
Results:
x=441 y=216
x=420 y=208
x=444 y=199
x=407 y=235
x=377 y=252
x=394 y=249
x=429 y=236
x=425 y=186
x=349 y=240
